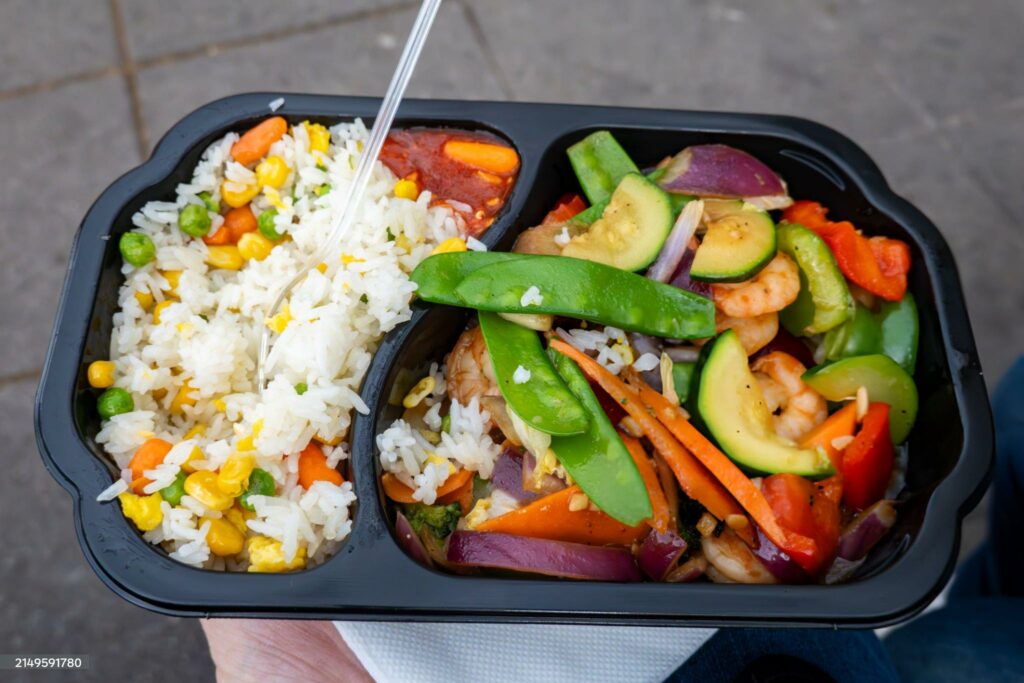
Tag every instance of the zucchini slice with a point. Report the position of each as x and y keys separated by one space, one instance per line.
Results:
x=739 y=242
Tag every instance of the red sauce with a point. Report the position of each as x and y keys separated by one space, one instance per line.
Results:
x=419 y=154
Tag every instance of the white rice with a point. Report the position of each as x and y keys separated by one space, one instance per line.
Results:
x=210 y=334
x=608 y=345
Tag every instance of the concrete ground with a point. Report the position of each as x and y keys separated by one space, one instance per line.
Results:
x=933 y=89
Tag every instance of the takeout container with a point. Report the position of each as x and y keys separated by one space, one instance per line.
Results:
x=950 y=450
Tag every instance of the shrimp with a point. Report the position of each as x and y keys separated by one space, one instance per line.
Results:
x=470 y=374
x=542 y=239
x=796 y=408
x=754 y=333
x=772 y=289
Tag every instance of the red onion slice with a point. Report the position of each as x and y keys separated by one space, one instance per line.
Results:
x=721 y=171
x=867 y=529
x=677 y=242
x=659 y=553
x=682 y=280
x=541 y=556
x=688 y=571
x=776 y=561
x=508 y=475
x=544 y=485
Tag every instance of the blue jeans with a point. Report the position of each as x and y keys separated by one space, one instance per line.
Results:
x=978 y=636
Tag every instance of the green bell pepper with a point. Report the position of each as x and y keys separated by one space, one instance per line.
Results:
x=597 y=459
x=860 y=335
x=543 y=401
x=884 y=379
x=900 y=330
x=600 y=163
x=437 y=276
x=590 y=291
x=824 y=300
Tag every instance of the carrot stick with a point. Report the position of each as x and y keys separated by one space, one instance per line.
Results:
x=552 y=517
x=400 y=493
x=670 y=488
x=462 y=495
x=693 y=478
x=313 y=467
x=149 y=455
x=801 y=548
x=494 y=158
x=659 y=504
x=841 y=423
x=256 y=142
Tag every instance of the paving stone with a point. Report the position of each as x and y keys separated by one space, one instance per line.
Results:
x=51 y=602
x=71 y=143
x=158 y=27
x=49 y=39
x=353 y=58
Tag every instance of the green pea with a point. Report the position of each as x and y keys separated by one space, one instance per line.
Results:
x=195 y=220
x=136 y=249
x=446 y=424
x=114 y=401
x=211 y=203
x=322 y=189
x=265 y=223
x=301 y=388
x=173 y=493
x=261 y=483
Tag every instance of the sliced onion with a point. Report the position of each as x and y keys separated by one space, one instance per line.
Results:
x=681 y=278
x=721 y=171
x=683 y=354
x=660 y=552
x=867 y=529
x=508 y=475
x=543 y=484
x=770 y=202
x=541 y=556
x=677 y=242
x=410 y=541
x=642 y=344
x=775 y=560
x=734 y=560
x=688 y=571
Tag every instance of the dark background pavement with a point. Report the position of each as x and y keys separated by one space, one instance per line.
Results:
x=933 y=89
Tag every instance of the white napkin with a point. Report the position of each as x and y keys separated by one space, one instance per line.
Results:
x=452 y=652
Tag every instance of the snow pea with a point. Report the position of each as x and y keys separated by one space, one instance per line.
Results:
x=900 y=330
x=597 y=459
x=600 y=163
x=437 y=276
x=589 y=291
x=682 y=378
x=543 y=400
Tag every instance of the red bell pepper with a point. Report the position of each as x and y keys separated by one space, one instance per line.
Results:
x=567 y=207
x=867 y=462
x=810 y=509
x=878 y=264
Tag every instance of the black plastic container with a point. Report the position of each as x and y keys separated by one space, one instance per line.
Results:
x=950 y=449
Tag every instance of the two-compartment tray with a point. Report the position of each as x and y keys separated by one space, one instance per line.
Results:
x=950 y=449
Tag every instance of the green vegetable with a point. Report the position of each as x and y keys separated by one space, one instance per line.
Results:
x=321 y=190
x=438 y=520
x=195 y=220
x=900 y=330
x=884 y=379
x=265 y=224
x=136 y=249
x=597 y=459
x=586 y=290
x=543 y=401
x=860 y=335
x=682 y=378
x=824 y=300
x=729 y=402
x=261 y=483
x=114 y=401
x=173 y=492
x=631 y=231
x=210 y=203
x=437 y=276
x=600 y=163
x=301 y=388
x=446 y=424
x=594 y=211
x=739 y=242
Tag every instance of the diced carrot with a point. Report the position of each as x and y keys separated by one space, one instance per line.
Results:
x=238 y=222
x=220 y=238
x=313 y=467
x=551 y=517
x=489 y=157
x=694 y=479
x=462 y=495
x=149 y=455
x=255 y=142
x=659 y=504
x=800 y=548
x=400 y=493
x=841 y=423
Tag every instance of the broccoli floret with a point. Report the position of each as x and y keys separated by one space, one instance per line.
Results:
x=439 y=520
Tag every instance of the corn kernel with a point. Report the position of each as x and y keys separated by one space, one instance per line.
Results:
x=145 y=299
x=158 y=309
x=196 y=454
x=101 y=374
x=173 y=277
x=403 y=243
x=144 y=511
x=227 y=257
x=220 y=405
x=406 y=189
x=419 y=392
x=237 y=516
x=237 y=195
x=224 y=538
x=266 y=555
x=349 y=258
x=202 y=485
x=279 y=323
x=319 y=137
x=272 y=172
x=322 y=267
x=253 y=245
x=182 y=398
x=248 y=443
x=197 y=430
x=274 y=197
x=234 y=473
x=451 y=245
x=435 y=459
